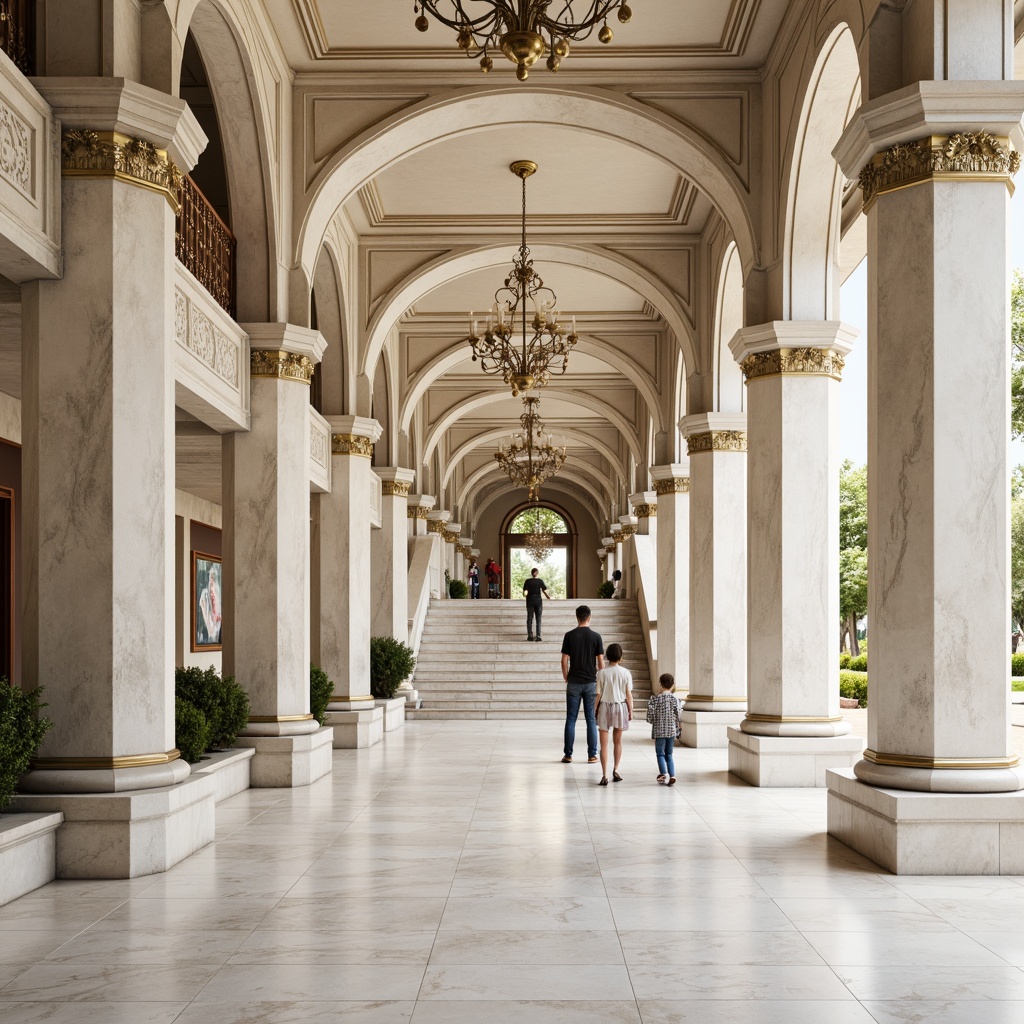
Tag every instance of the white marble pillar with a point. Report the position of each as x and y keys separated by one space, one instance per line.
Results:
x=418 y=506
x=793 y=731
x=935 y=161
x=98 y=485
x=267 y=559
x=645 y=509
x=453 y=557
x=615 y=532
x=437 y=520
x=609 y=556
x=627 y=530
x=672 y=488
x=390 y=556
x=346 y=578
x=717 y=447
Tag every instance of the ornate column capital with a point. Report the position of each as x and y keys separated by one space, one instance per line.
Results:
x=673 y=478
x=793 y=348
x=419 y=505
x=437 y=521
x=288 y=338
x=627 y=526
x=714 y=432
x=395 y=481
x=645 y=504
x=353 y=435
x=279 y=365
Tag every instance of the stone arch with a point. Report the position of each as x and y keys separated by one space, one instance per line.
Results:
x=583 y=109
x=334 y=368
x=813 y=182
x=595 y=487
x=247 y=150
x=729 y=395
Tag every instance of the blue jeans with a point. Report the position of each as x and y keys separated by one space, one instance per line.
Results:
x=533 y=608
x=574 y=694
x=663 y=748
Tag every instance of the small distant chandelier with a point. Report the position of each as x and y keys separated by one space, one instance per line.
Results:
x=527 y=362
x=539 y=542
x=518 y=27
x=529 y=460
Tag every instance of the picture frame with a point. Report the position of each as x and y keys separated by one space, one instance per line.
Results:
x=207 y=602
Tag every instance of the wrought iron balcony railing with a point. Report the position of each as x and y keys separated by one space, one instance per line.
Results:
x=205 y=245
x=17 y=33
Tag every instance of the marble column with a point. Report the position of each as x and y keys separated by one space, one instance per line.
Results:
x=940 y=786
x=390 y=556
x=609 y=556
x=627 y=530
x=453 y=557
x=793 y=731
x=267 y=559
x=615 y=532
x=672 y=488
x=645 y=509
x=717 y=446
x=346 y=575
x=418 y=506
x=437 y=520
x=98 y=487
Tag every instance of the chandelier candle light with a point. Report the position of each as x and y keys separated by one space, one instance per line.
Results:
x=539 y=542
x=518 y=27
x=527 y=362
x=529 y=459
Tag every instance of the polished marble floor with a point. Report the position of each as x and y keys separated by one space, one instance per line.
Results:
x=458 y=873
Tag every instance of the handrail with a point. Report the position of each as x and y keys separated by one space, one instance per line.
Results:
x=17 y=33
x=421 y=559
x=205 y=245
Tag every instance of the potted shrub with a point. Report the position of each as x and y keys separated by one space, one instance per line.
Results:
x=191 y=730
x=458 y=589
x=21 y=733
x=223 y=703
x=391 y=661
x=321 y=689
x=607 y=589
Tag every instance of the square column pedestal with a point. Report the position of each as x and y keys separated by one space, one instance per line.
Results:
x=939 y=788
x=267 y=557
x=793 y=730
x=717 y=447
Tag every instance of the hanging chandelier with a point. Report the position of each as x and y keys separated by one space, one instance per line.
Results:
x=539 y=542
x=528 y=459
x=518 y=27
x=526 y=359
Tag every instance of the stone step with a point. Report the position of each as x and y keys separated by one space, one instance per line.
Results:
x=521 y=714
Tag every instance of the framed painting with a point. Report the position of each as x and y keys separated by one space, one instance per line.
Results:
x=207 y=602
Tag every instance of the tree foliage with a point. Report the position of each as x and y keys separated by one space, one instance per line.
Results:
x=529 y=518
x=1017 y=352
x=1017 y=558
x=853 y=547
x=552 y=571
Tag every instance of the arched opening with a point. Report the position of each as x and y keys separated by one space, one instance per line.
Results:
x=558 y=568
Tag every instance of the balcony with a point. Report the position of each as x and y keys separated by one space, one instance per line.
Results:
x=205 y=245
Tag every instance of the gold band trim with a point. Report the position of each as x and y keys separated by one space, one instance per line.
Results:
x=786 y=362
x=280 y=718
x=674 y=485
x=717 y=441
x=919 y=761
x=352 y=444
x=751 y=717
x=417 y=512
x=103 y=763
x=350 y=700
x=91 y=154
x=716 y=700
x=278 y=365
x=436 y=526
x=628 y=531
x=396 y=488
x=648 y=511
x=971 y=156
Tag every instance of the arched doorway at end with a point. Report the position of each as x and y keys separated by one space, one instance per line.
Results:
x=559 y=569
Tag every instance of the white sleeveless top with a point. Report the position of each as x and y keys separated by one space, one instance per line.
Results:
x=612 y=684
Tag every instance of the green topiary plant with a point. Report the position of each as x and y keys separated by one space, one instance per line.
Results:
x=606 y=589
x=859 y=664
x=391 y=661
x=321 y=689
x=844 y=659
x=21 y=733
x=458 y=590
x=191 y=730
x=224 y=704
x=1017 y=665
x=854 y=684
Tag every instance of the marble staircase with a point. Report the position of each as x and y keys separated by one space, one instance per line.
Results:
x=474 y=660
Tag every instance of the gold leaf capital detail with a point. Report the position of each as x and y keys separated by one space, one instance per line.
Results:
x=398 y=488
x=717 y=441
x=280 y=365
x=673 y=485
x=645 y=511
x=352 y=444
x=628 y=530
x=821 y=362
x=417 y=512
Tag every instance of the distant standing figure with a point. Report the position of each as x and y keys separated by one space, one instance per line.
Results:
x=473 y=572
x=614 y=709
x=534 y=588
x=617 y=580
x=582 y=656
x=663 y=714
x=493 y=573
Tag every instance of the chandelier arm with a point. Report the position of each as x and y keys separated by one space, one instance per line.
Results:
x=501 y=13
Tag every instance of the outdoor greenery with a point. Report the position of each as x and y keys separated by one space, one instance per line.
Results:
x=391 y=661
x=858 y=664
x=1018 y=686
x=21 y=732
x=191 y=730
x=853 y=549
x=321 y=689
x=855 y=685
x=552 y=571
x=458 y=589
x=1017 y=538
x=844 y=659
x=529 y=518
x=222 y=702
x=1017 y=352
x=606 y=589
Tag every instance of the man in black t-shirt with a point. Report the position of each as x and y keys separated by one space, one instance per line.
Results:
x=582 y=656
x=535 y=592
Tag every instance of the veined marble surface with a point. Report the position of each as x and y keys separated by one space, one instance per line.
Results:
x=457 y=872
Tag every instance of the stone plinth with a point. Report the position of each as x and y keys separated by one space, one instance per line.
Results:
x=789 y=761
x=708 y=728
x=358 y=728
x=28 y=852
x=394 y=711
x=286 y=761
x=230 y=770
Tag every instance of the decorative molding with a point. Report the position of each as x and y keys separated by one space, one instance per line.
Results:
x=196 y=332
x=103 y=763
x=649 y=511
x=417 y=512
x=91 y=154
x=273 y=363
x=352 y=444
x=628 y=530
x=396 y=488
x=673 y=485
x=780 y=362
x=15 y=150
x=775 y=719
x=319 y=444
x=716 y=441
x=436 y=526
x=972 y=155
x=921 y=761
x=609 y=549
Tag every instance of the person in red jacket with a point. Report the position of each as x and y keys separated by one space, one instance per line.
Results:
x=493 y=573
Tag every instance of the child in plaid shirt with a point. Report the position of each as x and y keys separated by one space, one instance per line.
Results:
x=663 y=714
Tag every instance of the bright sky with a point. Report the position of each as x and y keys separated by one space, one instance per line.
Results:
x=853 y=392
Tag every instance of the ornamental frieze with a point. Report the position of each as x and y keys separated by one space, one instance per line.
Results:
x=717 y=441
x=628 y=531
x=968 y=154
x=351 y=444
x=436 y=526
x=15 y=150
x=646 y=511
x=673 y=485
x=280 y=365
x=397 y=488
x=822 y=362
x=417 y=512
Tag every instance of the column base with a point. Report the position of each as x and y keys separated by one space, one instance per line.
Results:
x=914 y=833
x=125 y=835
x=357 y=729
x=708 y=728
x=28 y=853
x=284 y=762
x=394 y=712
x=789 y=761
x=230 y=770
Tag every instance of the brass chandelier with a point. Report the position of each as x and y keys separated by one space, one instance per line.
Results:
x=539 y=542
x=518 y=27
x=528 y=361
x=528 y=459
